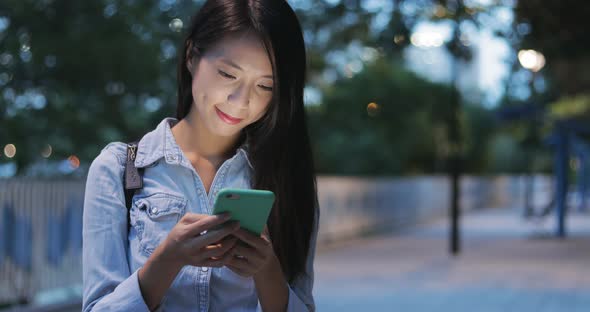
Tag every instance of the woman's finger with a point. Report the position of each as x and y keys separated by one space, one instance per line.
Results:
x=206 y=223
x=212 y=263
x=190 y=217
x=251 y=254
x=219 y=249
x=255 y=241
x=214 y=236
x=266 y=235
x=226 y=239
x=215 y=262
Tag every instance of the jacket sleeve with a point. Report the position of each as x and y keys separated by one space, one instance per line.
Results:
x=108 y=284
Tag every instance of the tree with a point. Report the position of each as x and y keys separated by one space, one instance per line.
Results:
x=389 y=128
x=79 y=74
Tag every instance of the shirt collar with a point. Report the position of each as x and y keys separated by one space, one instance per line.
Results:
x=160 y=143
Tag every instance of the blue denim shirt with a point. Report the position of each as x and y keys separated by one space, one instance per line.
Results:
x=112 y=255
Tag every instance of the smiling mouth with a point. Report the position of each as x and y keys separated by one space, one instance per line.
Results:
x=227 y=118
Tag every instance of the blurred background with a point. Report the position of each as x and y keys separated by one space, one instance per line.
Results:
x=451 y=139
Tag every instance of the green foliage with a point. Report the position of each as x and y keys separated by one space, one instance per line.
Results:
x=506 y=154
x=79 y=74
x=405 y=135
x=479 y=129
x=559 y=33
x=84 y=73
x=570 y=107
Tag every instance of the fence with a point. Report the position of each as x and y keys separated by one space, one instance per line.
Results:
x=41 y=225
x=41 y=236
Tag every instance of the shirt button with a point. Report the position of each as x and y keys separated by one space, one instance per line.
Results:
x=154 y=210
x=205 y=269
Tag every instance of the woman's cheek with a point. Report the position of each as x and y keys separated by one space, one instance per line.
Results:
x=260 y=111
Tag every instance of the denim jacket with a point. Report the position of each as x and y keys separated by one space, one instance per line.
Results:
x=112 y=255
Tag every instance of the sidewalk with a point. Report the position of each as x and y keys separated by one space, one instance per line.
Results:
x=507 y=264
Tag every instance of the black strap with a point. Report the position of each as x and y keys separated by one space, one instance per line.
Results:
x=132 y=177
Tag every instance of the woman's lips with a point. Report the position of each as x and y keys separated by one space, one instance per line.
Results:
x=227 y=118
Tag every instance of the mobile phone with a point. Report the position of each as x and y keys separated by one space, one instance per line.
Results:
x=247 y=206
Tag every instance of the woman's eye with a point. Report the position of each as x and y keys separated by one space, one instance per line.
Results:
x=225 y=75
x=265 y=88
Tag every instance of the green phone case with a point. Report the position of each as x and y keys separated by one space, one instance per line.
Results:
x=250 y=207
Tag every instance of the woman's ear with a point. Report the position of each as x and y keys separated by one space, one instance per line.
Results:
x=190 y=65
x=192 y=57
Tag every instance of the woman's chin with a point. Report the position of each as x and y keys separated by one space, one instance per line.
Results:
x=228 y=131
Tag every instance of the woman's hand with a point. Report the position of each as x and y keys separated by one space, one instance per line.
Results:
x=192 y=241
x=200 y=240
x=251 y=255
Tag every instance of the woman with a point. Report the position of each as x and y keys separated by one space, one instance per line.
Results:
x=240 y=123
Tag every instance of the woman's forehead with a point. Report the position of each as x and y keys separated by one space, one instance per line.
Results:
x=246 y=50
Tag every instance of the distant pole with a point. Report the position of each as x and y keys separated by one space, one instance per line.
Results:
x=455 y=159
x=455 y=237
x=533 y=61
x=455 y=164
x=455 y=140
x=561 y=178
x=583 y=180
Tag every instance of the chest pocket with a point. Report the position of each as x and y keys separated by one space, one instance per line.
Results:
x=153 y=217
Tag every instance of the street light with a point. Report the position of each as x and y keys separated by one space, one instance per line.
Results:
x=531 y=60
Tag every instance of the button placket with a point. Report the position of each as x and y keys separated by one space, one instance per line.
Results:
x=203 y=290
x=218 y=183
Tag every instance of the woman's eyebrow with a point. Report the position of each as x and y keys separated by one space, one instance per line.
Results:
x=234 y=65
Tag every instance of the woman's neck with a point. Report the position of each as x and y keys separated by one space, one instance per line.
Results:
x=197 y=142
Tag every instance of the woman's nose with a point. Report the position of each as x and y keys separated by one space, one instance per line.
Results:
x=240 y=96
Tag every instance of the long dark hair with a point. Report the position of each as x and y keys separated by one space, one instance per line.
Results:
x=278 y=144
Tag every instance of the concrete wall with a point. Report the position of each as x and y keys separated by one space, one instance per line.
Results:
x=352 y=206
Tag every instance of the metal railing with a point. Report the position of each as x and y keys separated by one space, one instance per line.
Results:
x=41 y=221
x=40 y=236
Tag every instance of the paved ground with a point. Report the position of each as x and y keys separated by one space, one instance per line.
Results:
x=507 y=264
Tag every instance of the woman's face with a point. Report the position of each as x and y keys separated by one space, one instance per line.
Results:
x=232 y=84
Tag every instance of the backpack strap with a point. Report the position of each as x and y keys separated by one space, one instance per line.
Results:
x=133 y=177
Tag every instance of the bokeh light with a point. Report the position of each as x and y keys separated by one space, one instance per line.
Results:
x=74 y=161
x=373 y=109
x=427 y=39
x=10 y=150
x=47 y=150
x=176 y=25
x=531 y=60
